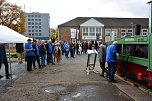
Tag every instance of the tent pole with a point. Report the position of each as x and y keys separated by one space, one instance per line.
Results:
x=10 y=65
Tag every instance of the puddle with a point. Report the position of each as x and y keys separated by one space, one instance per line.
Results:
x=53 y=89
x=99 y=92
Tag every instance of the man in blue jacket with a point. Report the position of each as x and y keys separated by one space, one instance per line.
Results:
x=111 y=59
x=49 y=48
x=3 y=59
x=29 y=54
x=37 y=54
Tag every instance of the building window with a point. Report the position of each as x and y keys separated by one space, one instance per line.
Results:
x=39 y=26
x=39 y=30
x=114 y=34
x=29 y=19
x=29 y=26
x=36 y=34
x=28 y=15
x=98 y=31
x=32 y=19
x=35 y=15
x=144 y=31
x=85 y=31
x=92 y=31
x=32 y=23
x=123 y=32
x=32 y=34
x=32 y=26
x=29 y=30
x=39 y=34
x=39 y=16
x=29 y=23
x=32 y=15
x=29 y=34
x=36 y=27
x=35 y=19
x=35 y=23
x=39 y=23
x=107 y=32
x=129 y=32
x=39 y=19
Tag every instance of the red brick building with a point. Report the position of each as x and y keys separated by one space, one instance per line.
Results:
x=101 y=28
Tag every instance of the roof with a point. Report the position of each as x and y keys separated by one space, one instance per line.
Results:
x=107 y=21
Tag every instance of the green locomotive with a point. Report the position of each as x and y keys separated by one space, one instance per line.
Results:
x=135 y=56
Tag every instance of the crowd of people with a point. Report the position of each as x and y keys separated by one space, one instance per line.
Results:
x=46 y=52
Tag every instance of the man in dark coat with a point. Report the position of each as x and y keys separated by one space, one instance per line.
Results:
x=37 y=54
x=3 y=59
x=20 y=50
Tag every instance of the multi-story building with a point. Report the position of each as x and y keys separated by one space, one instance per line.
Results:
x=37 y=25
x=101 y=28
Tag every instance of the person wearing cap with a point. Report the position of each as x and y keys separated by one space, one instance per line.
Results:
x=37 y=54
x=111 y=60
x=29 y=54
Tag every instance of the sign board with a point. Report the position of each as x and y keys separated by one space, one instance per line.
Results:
x=92 y=51
x=73 y=32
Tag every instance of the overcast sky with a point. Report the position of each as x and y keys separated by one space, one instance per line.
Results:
x=64 y=10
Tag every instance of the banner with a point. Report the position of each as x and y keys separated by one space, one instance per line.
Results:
x=73 y=33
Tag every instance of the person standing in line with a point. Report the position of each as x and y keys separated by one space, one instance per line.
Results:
x=67 y=49
x=37 y=54
x=80 y=48
x=49 y=48
x=19 y=50
x=29 y=54
x=3 y=59
x=111 y=60
x=72 y=50
x=58 y=52
x=77 y=48
x=43 y=53
x=90 y=45
x=102 y=58
x=96 y=46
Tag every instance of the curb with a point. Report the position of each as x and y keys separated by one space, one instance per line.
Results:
x=148 y=91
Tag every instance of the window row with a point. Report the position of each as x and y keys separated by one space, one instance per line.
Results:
x=91 y=31
x=34 y=27
x=34 y=34
x=32 y=23
x=34 y=16
x=34 y=19
x=34 y=31
x=124 y=32
x=129 y=32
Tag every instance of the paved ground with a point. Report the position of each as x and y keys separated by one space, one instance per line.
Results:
x=67 y=81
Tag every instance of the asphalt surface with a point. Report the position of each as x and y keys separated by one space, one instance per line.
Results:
x=67 y=81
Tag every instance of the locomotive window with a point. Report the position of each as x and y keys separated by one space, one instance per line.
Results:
x=139 y=50
x=119 y=49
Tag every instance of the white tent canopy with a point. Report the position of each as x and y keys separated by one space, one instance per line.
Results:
x=8 y=35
